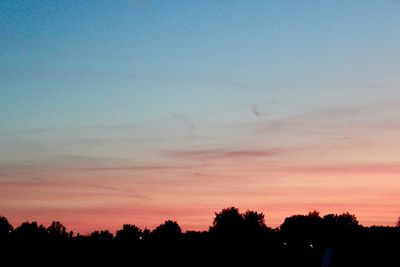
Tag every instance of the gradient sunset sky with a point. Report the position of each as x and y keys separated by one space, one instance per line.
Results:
x=136 y=112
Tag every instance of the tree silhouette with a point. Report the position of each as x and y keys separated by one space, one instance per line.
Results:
x=339 y=225
x=303 y=227
x=227 y=225
x=30 y=232
x=168 y=231
x=129 y=233
x=253 y=226
x=398 y=222
x=5 y=228
x=301 y=240
x=348 y=220
x=146 y=234
x=101 y=235
x=314 y=214
x=57 y=231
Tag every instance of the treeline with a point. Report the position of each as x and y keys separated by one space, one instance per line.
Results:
x=301 y=240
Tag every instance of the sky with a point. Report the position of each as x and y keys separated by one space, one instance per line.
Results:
x=116 y=112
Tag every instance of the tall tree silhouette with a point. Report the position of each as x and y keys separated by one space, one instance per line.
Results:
x=254 y=226
x=168 y=231
x=227 y=225
x=130 y=233
x=303 y=227
x=57 y=231
x=348 y=220
x=338 y=226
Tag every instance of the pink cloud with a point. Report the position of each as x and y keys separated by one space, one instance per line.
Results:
x=351 y=168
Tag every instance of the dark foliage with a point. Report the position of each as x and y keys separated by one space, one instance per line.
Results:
x=234 y=239
x=227 y=225
x=129 y=233
x=30 y=232
x=169 y=231
x=230 y=226
x=5 y=228
x=101 y=235
x=57 y=231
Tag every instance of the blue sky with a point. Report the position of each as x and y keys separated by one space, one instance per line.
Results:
x=74 y=56
x=140 y=86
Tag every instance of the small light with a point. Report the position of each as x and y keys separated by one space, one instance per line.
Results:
x=311 y=246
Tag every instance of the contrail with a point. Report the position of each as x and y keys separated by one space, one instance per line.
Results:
x=344 y=137
x=110 y=188
x=116 y=189
x=184 y=120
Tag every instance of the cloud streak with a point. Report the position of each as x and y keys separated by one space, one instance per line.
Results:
x=367 y=168
x=189 y=125
x=223 y=153
x=2 y=174
x=134 y=168
x=326 y=115
x=41 y=182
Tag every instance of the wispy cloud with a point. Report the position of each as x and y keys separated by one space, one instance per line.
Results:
x=2 y=174
x=223 y=153
x=340 y=169
x=133 y=168
x=133 y=126
x=327 y=115
x=124 y=192
x=183 y=119
x=28 y=181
